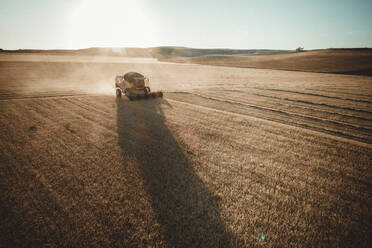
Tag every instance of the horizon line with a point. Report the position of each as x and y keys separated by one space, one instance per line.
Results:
x=201 y=48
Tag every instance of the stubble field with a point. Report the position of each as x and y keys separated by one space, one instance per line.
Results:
x=229 y=157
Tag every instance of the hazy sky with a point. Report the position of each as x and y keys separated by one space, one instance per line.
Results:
x=246 y=24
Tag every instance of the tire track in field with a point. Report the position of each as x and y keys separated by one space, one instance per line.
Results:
x=95 y=120
x=82 y=134
x=348 y=88
x=293 y=123
x=89 y=107
x=106 y=105
x=43 y=111
x=317 y=104
x=199 y=121
x=88 y=114
x=314 y=94
x=341 y=124
x=21 y=97
x=313 y=109
x=340 y=92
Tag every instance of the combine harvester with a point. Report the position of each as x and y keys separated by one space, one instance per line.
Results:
x=134 y=86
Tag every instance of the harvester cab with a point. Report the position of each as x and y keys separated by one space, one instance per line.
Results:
x=135 y=86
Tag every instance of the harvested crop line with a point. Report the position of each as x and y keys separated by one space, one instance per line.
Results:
x=341 y=124
x=89 y=108
x=311 y=109
x=318 y=104
x=25 y=97
x=283 y=121
x=313 y=94
x=340 y=92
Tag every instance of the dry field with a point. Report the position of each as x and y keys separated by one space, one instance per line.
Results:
x=341 y=61
x=230 y=157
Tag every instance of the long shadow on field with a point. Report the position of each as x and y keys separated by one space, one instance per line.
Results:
x=188 y=213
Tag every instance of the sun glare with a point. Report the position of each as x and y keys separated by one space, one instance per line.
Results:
x=111 y=23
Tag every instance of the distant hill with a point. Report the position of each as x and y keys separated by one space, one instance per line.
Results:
x=343 y=61
x=155 y=52
x=167 y=52
x=355 y=61
x=93 y=51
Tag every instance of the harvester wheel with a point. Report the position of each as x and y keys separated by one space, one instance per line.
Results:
x=118 y=93
x=157 y=94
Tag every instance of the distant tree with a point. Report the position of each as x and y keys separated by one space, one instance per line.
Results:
x=299 y=49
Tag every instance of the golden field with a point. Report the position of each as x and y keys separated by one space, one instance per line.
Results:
x=230 y=157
